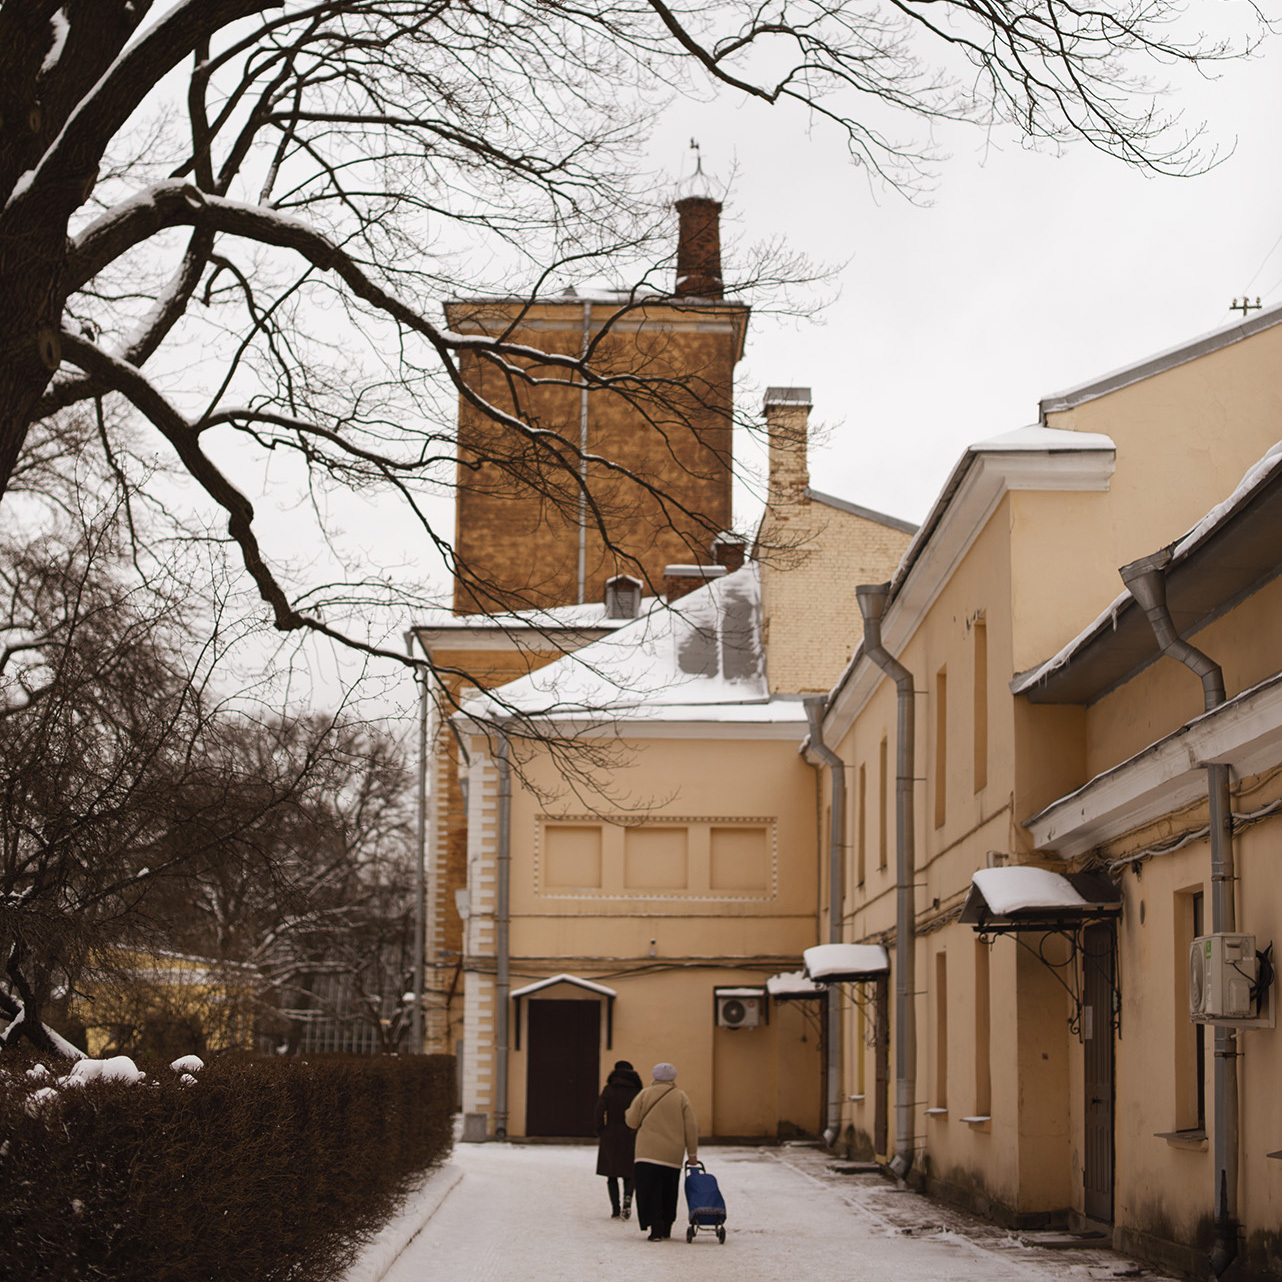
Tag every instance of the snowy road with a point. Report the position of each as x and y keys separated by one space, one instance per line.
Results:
x=537 y=1213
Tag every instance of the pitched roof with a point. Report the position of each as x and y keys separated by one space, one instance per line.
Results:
x=700 y=657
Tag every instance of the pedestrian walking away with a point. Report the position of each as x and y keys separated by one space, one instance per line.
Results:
x=664 y=1121
x=616 y=1140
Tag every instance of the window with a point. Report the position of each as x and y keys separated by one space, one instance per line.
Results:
x=980 y=717
x=983 y=1062
x=861 y=828
x=941 y=1030
x=1190 y=1038
x=882 y=788
x=941 y=746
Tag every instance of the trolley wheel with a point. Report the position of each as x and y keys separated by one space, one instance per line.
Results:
x=690 y=1234
x=721 y=1234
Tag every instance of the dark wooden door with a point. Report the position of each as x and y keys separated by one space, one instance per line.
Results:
x=561 y=1077
x=881 y=1087
x=1097 y=1039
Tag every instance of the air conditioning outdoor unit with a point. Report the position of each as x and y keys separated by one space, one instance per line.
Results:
x=1222 y=972
x=740 y=1007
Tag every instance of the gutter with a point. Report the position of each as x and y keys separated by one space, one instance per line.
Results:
x=815 y=705
x=872 y=605
x=1146 y=578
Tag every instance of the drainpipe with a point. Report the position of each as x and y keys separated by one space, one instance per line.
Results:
x=1146 y=579
x=420 y=862
x=836 y=897
x=583 y=461
x=503 y=985
x=872 y=604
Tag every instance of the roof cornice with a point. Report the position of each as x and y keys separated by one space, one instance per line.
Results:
x=1245 y=733
x=1156 y=364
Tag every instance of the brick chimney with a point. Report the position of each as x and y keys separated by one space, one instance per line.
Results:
x=787 y=411
x=680 y=580
x=729 y=550
x=699 y=247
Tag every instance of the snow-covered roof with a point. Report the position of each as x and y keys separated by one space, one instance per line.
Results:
x=702 y=652
x=792 y=985
x=1031 y=897
x=833 y=963
x=1183 y=549
x=541 y=984
x=1033 y=439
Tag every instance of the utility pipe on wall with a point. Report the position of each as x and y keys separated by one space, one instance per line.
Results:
x=836 y=902
x=1146 y=579
x=872 y=605
x=503 y=980
x=420 y=862
x=583 y=461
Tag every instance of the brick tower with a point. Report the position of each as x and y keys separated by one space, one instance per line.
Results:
x=524 y=534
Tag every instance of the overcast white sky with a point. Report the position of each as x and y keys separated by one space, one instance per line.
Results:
x=1028 y=273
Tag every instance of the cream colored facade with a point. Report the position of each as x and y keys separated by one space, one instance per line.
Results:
x=712 y=885
x=1009 y=614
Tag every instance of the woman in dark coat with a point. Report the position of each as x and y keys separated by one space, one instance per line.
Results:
x=616 y=1140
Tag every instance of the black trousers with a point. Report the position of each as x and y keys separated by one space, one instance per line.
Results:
x=612 y=1187
x=656 y=1196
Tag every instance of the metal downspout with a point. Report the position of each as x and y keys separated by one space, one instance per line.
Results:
x=872 y=604
x=1146 y=579
x=420 y=863
x=503 y=984
x=836 y=902
x=583 y=461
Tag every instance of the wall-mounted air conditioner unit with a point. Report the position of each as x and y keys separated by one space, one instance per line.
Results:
x=740 y=1007
x=1223 y=971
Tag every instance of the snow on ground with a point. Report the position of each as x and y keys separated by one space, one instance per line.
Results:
x=538 y=1213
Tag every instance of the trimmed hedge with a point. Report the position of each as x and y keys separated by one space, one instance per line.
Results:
x=263 y=1169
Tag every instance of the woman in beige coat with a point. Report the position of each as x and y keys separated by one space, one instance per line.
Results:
x=664 y=1121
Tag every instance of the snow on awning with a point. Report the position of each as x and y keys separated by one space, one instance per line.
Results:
x=845 y=963
x=793 y=986
x=1022 y=898
x=599 y=990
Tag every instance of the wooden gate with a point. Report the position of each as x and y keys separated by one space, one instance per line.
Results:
x=562 y=1067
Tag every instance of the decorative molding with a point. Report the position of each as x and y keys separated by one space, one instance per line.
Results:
x=686 y=822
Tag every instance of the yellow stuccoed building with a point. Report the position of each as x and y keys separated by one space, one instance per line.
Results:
x=1039 y=887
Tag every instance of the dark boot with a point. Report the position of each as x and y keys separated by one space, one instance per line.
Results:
x=613 y=1189
x=627 y=1205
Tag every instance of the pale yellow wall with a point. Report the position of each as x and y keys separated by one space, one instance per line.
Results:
x=1245 y=643
x=742 y=1082
x=1184 y=438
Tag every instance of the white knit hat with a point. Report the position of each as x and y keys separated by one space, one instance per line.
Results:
x=664 y=1072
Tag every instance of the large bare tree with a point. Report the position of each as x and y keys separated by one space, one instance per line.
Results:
x=241 y=216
